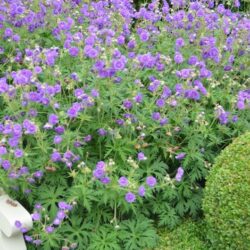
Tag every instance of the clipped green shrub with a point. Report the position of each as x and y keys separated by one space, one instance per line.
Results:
x=187 y=236
x=226 y=201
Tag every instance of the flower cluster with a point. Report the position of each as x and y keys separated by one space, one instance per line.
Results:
x=113 y=107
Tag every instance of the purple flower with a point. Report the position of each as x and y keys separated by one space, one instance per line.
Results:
x=144 y=36
x=205 y=73
x=28 y=238
x=151 y=181
x=16 y=38
x=180 y=156
x=105 y=180
x=121 y=40
x=235 y=118
x=59 y=130
x=38 y=70
x=141 y=191
x=138 y=98
x=153 y=86
x=119 y=64
x=179 y=89
x=236 y=3
x=222 y=115
x=73 y=51
x=61 y=214
x=3 y=150
x=55 y=156
x=24 y=230
x=18 y=224
x=130 y=197
x=37 y=242
x=184 y=73
x=123 y=181
x=38 y=206
x=36 y=216
x=4 y=87
x=90 y=52
x=49 y=229
x=99 y=171
x=22 y=77
x=102 y=132
x=141 y=156
x=50 y=56
x=17 y=130
x=30 y=127
x=33 y=112
x=6 y=164
x=240 y=105
x=156 y=116
x=57 y=221
x=87 y=138
x=57 y=139
x=74 y=76
x=64 y=206
x=53 y=119
x=179 y=174
x=95 y=93
x=243 y=99
x=8 y=32
x=179 y=42
x=127 y=104
x=18 y=153
x=166 y=92
x=73 y=111
x=38 y=174
x=131 y=44
x=101 y=164
x=163 y=121
x=160 y=102
x=178 y=58
x=192 y=60
x=192 y=94
x=23 y=170
x=200 y=86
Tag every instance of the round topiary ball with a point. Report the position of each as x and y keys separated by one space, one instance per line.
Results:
x=226 y=201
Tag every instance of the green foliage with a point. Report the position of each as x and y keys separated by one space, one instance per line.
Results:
x=98 y=215
x=138 y=234
x=226 y=200
x=187 y=236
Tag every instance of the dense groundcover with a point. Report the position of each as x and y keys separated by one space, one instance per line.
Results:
x=111 y=118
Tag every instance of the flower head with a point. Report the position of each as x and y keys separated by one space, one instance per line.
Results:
x=151 y=181
x=179 y=174
x=123 y=181
x=141 y=191
x=141 y=156
x=130 y=197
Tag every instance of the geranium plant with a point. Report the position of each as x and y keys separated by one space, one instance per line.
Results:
x=112 y=117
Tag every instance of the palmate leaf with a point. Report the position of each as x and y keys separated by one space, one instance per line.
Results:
x=169 y=218
x=49 y=196
x=84 y=195
x=104 y=239
x=77 y=231
x=51 y=241
x=120 y=148
x=138 y=234
x=194 y=204
x=156 y=168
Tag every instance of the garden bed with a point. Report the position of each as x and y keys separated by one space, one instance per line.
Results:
x=112 y=117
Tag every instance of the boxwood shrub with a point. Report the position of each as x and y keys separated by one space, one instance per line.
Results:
x=188 y=236
x=227 y=202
